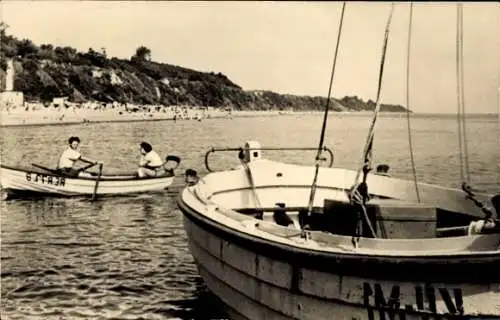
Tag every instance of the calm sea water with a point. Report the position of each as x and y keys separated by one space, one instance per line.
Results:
x=127 y=258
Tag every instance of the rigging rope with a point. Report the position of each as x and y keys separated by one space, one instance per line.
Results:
x=459 y=109
x=498 y=128
x=462 y=86
x=367 y=152
x=461 y=118
x=462 y=137
x=408 y=103
x=359 y=193
x=325 y=116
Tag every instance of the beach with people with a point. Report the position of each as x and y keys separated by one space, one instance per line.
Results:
x=40 y=114
x=71 y=113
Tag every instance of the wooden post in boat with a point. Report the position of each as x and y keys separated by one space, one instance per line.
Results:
x=97 y=182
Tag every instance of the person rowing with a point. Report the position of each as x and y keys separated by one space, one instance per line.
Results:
x=66 y=164
x=150 y=163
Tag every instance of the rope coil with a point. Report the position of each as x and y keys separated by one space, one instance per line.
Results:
x=471 y=196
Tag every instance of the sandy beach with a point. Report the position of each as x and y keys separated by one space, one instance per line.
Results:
x=21 y=116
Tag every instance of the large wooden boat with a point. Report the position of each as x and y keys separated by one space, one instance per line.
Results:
x=350 y=245
x=246 y=232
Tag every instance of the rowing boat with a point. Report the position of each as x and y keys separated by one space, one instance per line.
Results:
x=22 y=182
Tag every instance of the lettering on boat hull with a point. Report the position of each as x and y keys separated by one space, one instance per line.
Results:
x=45 y=179
x=382 y=303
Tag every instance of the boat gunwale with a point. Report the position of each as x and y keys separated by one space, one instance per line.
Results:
x=101 y=179
x=273 y=164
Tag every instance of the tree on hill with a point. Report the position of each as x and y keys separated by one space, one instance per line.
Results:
x=3 y=27
x=25 y=47
x=65 y=54
x=142 y=53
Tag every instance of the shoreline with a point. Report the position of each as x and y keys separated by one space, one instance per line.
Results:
x=21 y=117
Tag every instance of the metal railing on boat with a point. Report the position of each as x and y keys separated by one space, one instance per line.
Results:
x=240 y=149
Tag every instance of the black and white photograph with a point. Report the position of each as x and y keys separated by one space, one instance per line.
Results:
x=249 y=160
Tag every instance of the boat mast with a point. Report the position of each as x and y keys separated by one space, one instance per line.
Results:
x=325 y=116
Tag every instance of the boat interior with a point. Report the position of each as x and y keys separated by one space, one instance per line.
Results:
x=397 y=224
x=289 y=228
x=277 y=192
x=90 y=175
x=389 y=218
x=120 y=176
x=91 y=172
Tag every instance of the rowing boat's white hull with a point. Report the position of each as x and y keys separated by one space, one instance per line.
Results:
x=19 y=181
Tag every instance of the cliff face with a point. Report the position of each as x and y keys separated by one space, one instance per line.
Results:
x=44 y=72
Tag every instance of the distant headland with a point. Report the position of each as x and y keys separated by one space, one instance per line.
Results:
x=45 y=76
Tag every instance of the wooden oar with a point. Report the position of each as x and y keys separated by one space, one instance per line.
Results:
x=55 y=171
x=44 y=168
x=97 y=181
x=86 y=167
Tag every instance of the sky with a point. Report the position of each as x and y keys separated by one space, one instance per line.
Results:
x=288 y=47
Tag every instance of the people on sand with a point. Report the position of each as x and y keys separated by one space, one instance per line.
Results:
x=69 y=157
x=150 y=163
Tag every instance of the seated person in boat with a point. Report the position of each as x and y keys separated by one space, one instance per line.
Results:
x=383 y=170
x=150 y=163
x=69 y=157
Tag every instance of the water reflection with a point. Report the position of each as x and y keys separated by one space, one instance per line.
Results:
x=203 y=305
x=148 y=208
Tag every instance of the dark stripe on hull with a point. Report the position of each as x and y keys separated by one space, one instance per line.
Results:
x=33 y=195
x=25 y=194
x=440 y=269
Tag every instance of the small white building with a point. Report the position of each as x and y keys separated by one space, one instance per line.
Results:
x=10 y=98
x=59 y=102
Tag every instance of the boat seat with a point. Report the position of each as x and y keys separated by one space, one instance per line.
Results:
x=389 y=219
x=119 y=176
